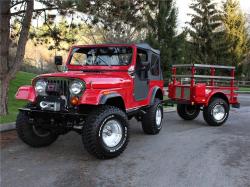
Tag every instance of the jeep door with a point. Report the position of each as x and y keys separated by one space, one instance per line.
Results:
x=141 y=83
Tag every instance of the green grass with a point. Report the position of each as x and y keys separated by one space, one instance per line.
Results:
x=22 y=78
x=244 y=89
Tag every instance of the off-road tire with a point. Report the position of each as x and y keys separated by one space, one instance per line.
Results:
x=92 y=132
x=188 y=112
x=149 y=124
x=208 y=114
x=25 y=131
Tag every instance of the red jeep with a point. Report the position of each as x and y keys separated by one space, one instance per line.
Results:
x=102 y=87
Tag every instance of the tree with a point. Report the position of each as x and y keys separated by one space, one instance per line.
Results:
x=56 y=36
x=236 y=31
x=7 y=69
x=206 y=33
x=119 y=20
x=25 y=10
x=161 y=30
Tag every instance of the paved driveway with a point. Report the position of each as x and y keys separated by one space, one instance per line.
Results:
x=244 y=99
x=183 y=154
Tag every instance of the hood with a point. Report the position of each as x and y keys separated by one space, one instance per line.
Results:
x=109 y=79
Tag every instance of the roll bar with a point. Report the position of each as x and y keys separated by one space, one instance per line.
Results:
x=203 y=66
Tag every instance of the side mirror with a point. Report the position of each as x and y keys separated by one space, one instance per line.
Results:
x=58 y=60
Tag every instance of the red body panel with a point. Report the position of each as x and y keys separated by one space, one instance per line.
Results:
x=26 y=93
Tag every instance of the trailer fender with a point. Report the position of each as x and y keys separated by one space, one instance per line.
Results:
x=217 y=94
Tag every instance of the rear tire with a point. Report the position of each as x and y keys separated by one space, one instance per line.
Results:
x=152 y=120
x=188 y=112
x=32 y=135
x=216 y=113
x=105 y=132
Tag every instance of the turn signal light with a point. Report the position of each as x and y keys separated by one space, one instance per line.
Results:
x=106 y=92
x=74 y=100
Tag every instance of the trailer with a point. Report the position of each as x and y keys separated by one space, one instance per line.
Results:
x=207 y=88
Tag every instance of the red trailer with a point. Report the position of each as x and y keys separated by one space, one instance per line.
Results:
x=212 y=92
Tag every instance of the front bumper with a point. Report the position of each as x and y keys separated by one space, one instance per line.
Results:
x=49 y=113
x=59 y=122
x=63 y=117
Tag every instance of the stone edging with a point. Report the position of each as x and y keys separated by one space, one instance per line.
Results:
x=7 y=126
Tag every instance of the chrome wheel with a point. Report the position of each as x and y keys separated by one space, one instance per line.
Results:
x=112 y=133
x=218 y=112
x=158 y=116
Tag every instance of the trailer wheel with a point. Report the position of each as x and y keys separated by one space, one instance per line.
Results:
x=188 y=112
x=105 y=132
x=152 y=120
x=216 y=113
x=32 y=135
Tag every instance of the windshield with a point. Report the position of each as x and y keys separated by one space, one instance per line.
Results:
x=101 y=56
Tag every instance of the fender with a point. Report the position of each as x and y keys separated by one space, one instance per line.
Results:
x=27 y=93
x=104 y=98
x=214 y=93
x=152 y=99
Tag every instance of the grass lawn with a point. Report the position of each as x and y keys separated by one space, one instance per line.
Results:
x=244 y=89
x=22 y=78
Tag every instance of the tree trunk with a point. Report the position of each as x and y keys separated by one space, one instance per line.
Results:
x=23 y=38
x=8 y=69
x=4 y=37
x=4 y=95
x=4 y=54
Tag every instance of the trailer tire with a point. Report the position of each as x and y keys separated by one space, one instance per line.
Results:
x=101 y=124
x=188 y=112
x=216 y=113
x=152 y=120
x=31 y=135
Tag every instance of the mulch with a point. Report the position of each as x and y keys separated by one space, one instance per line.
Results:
x=7 y=137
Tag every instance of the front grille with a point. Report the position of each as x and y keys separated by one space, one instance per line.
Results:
x=61 y=86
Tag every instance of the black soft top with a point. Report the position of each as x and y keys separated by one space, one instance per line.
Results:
x=147 y=47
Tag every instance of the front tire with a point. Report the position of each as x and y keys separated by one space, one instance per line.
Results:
x=188 y=112
x=105 y=132
x=32 y=135
x=152 y=120
x=216 y=113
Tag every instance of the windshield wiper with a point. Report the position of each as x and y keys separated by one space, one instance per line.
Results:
x=101 y=60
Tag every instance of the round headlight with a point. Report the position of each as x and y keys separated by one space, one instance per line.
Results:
x=40 y=87
x=76 y=87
